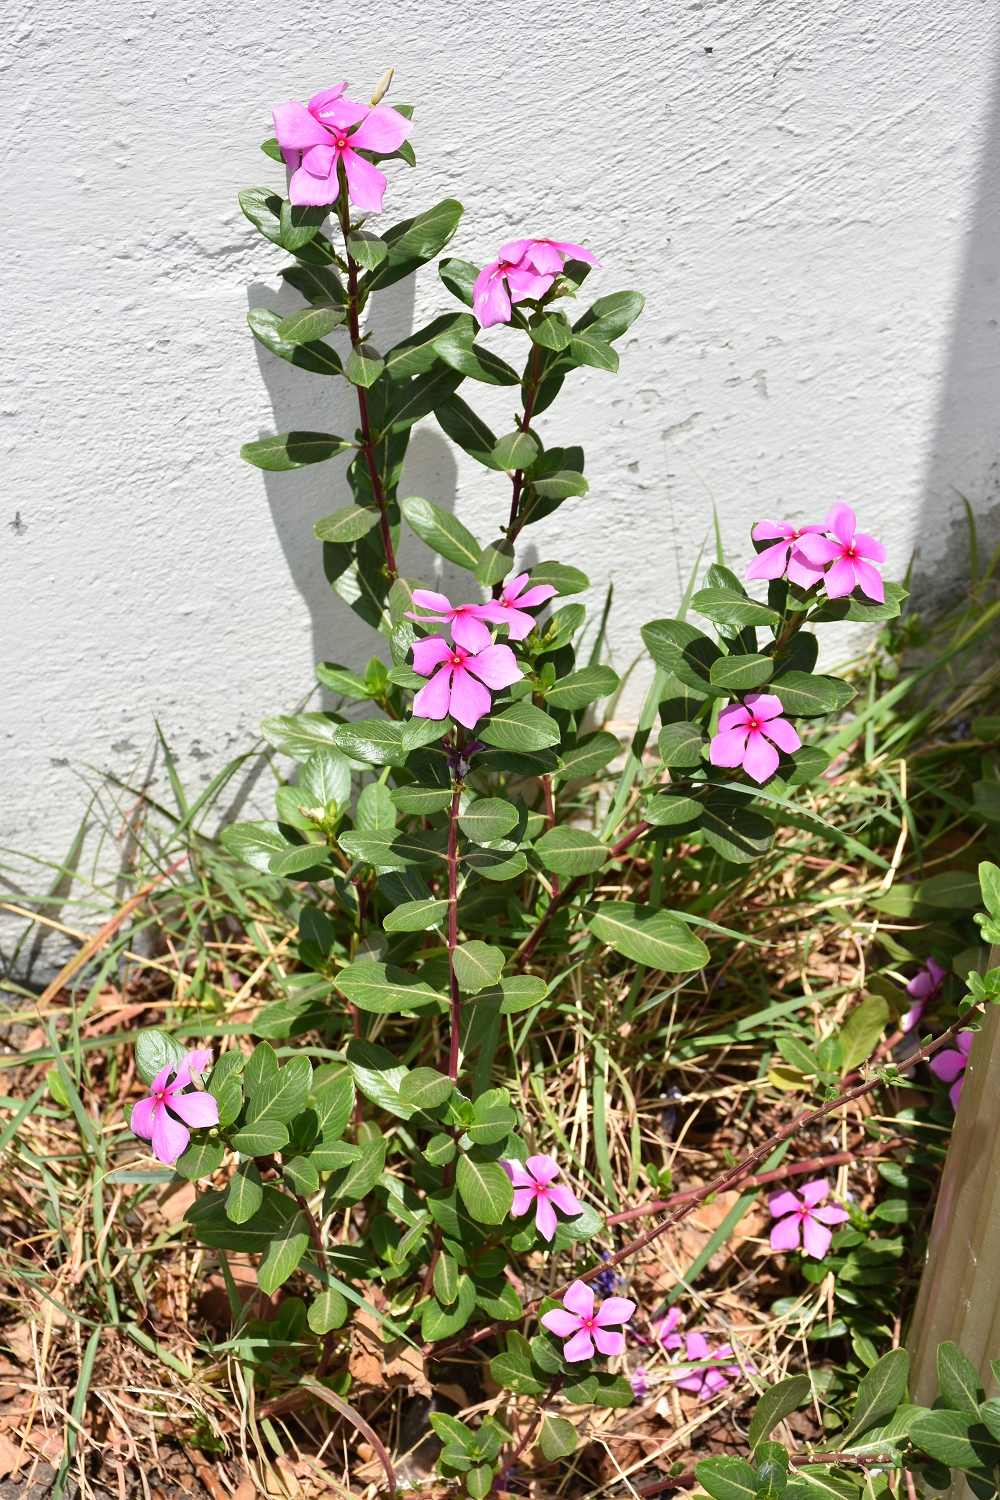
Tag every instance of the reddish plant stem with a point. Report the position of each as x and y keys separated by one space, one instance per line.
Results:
x=513 y=524
x=793 y=1169
x=456 y=1001
x=367 y=446
x=529 y=945
x=807 y=1117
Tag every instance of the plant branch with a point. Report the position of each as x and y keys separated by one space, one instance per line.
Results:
x=529 y=945
x=456 y=1001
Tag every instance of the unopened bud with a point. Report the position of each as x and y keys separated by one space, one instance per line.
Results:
x=197 y=1078
x=382 y=87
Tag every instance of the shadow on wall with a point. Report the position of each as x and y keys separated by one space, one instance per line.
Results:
x=965 y=458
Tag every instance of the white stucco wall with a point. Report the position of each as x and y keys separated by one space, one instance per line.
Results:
x=805 y=192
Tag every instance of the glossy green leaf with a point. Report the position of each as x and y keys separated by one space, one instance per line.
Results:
x=609 y=317
x=564 y=579
x=459 y=276
x=325 y=778
x=477 y=965
x=378 y=741
x=414 y=399
x=316 y=357
x=961 y=1387
x=446 y=1278
x=582 y=687
x=263 y=208
x=488 y=819
x=495 y=561
x=560 y=485
x=440 y=1150
x=333 y=1103
x=727 y=607
x=301 y=1174
x=382 y=987
x=378 y=1075
x=318 y=284
x=293 y=450
x=416 y=916
x=156 y=1049
x=328 y=1311
x=494 y=1118
x=738 y=833
x=737 y=674
x=681 y=744
x=261 y=1138
x=260 y=1068
x=571 y=851
x=497 y=1299
x=425 y=1088
x=442 y=531
x=515 y=1372
x=648 y=936
x=585 y=349
x=880 y=1391
x=415 y=241
x=364 y=365
x=515 y=450
x=416 y=355
x=301 y=859
x=516 y=993
x=200 y=1160
x=495 y=864
x=777 y=1403
x=520 y=727
x=284 y=1094
x=308 y=324
x=283 y=1254
x=859 y=1034
x=805 y=695
x=557 y=1438
x=244 y=1194
x=681 y=650
x=456 y=346
x=486 y=1190
x=956 y=1440
x=468 y=430
x=301 y=735
x=726 y=1478
x=671 y=810
x=588 y=755
x=211 y=1226
x=347 y=525
x=354 y=1182
x=300 y=223
x=423 y=800
x=393 y=848
x=551 y=331
x=368 y=249
x=443 y=1321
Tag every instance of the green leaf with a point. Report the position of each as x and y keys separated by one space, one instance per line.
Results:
x=293 y=450
x=495 y=562
x=736 y=674
x=378 y=741
x=588 y=755
x=488 y=819
x=457 y=348
x=283 y=1254
x=364 y=365
x=300 y=735
x=309 y=323
x=422 y=800
x=961 y=1388
x=479 y=1481
x=442 y=531
x=451 y=1431
x=726 y=1478
x=328 y=1311
x=955 y=890
x=200 y=1160
x=738 y=833
x=284 y=1095
x=382 y=987
x=230 y=1098
x=260 y=1067
x=319 y=285
x=515 y=450
x=648 y=936
x=425 y=1088
x=681 y=650
x=609 y=317
x=477 y=965
x=212 y=1228
x=347 y=525
x=955 y=1439
x=414 y=242
x=378 y=1075
x=459 y=276
x=414 y=399
x=468 y=430
x=727 y=607
x=260 y=1139
x=563 y=579
x=301 y=1174
x=244 y=1194
x=520 y=727
x=300 y=223
x=374 y=808
x=300 y=858
x=682 y=744
x=486 y=1190
x=816 y=1482
x=366 y=248
x=804 y=695
x=497 y=1299
x=519 y=992
x=581 y=688
x=446 y=1278
x=441 y=1322
x=673 y=811
x=571 y=851
x=515 y=1372
x=263 y=208
x=318 y=358
x=989 y=1411
x=810 y=763
x=560 y=485
x=860 y=1032
x=416 y=916
x=156 y=1050
x=333 y=1105
x=775 y=1405
x=417 y=355
x=354 y=1182
x=440 y=1150
x=880 y=1391
x=584 y=349
x=331 y=1157
x=494 y=1118
x=557 y=1438
x=552 y=331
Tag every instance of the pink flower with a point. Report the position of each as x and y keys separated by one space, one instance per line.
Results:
x=950 y=1065
x=465 y=620
x=637 y=1380
x=744 y=732
x=708 y=1382
x=851 y=555
x=153 y=1118
x=453 y=689
x=523 y=269
x=314 y=139
x=510 y=609
x=921 y=989
x=583 y=1326
x=774 y=560
x=804 y=1219
x=534 y=1183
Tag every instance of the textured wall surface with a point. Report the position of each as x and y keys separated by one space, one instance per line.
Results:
x=806 y=192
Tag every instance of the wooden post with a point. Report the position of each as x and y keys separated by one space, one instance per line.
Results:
x=959 y=1295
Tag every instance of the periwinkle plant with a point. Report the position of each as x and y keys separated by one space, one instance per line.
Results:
x=423 y=850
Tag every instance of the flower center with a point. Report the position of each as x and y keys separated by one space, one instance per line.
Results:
x=850 y=550
x=753 y=723
x=588 y=1323
x=539 y=1189
x=160 y=1096
x=456 y=660
x=341 y=143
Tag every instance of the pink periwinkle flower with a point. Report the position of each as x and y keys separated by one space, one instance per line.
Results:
x=315 y=138
x=637 y=1380
x=745 y=733
x=921 y=989
x=664 y=1328
x=523 y=269
x=800 y=1218
x=512 y=606
x=153 y=1118
x=464 y=620
x=950 y=1065
x=850 y=554
x=456 y=687
x=534 y=1183
x=783 y=555
x=583 y=1325
x=708 y=1382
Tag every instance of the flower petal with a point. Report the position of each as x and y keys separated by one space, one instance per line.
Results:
x=579 y=1298
x=770 y=563
x=141 y=1122
x=307 y=191
x=534 y=596
x=868 y=547
x=575 y=252
x=783 y=735
x=841 y=520
x=761 y=758
x=564 y=1200
x=428 y=599
x=815 y=1238
x=429 y=652
x=964 y=1041
x=818 y=549
x=841 y=579
x=159 y=1083
x=382 y=129
x=728 y=749
x=785 y=1234
x=434 y=700
x=523 y=1199
x=365 y=183
x=518 y=623
x=782 y=1203
x=801 y=571
x=170 y=1137
x=543 y=1168
x=609 y=1343
x=469 y=701
x=733 y=717
x=295 y=127
x=579 y=1347
x=765 y=530
x=831 y=1214
x=614 y=1311
x=545 y=1218
x=496 y=666
x=697 y=1346
x=469 y=632
x=870 y=580
x=517 y=1173
x=814 y=1192
x=955 y=1092
x=764 y=705
x=560 y=1322
x=195 y=1109
x=326 y=97
x=948 y=1064
x=490 y=301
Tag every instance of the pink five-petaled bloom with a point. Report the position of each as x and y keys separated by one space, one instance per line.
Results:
x=512 y=606
x=921 y=989
x=153 y=1118
x=583 y=1325
x=950 y=1066
x=453 y=689
x=523 y=269
x=850 y=554
x=783 y=553
x=315 y=138
x=708 y=1382
x=465 y=620
x=799 y=1216
x=745 y=732
x=534 y=1183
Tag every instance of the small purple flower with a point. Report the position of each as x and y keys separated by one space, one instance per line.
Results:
x=921 y=989
x=637 y=1380
x=583 y=1325
x=534 y=1183
x=153 y=1118
x=950 y=1065
x=805 y=1220
x=707 y=1383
